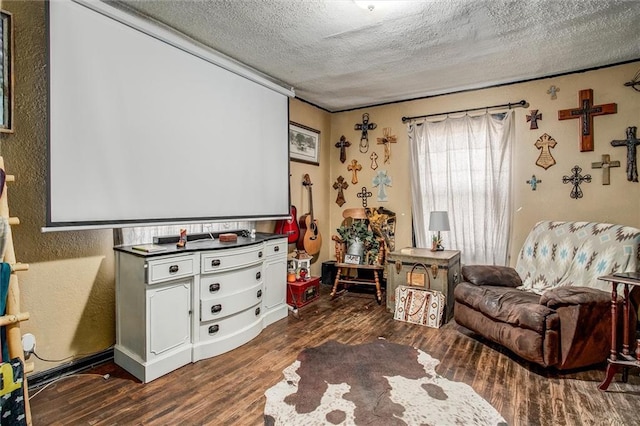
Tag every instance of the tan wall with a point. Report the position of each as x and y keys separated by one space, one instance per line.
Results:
x=69 y=288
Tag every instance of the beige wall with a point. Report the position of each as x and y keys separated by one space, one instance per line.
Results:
x=69 y=287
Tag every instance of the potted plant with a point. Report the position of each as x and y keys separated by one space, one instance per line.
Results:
x=360 y=239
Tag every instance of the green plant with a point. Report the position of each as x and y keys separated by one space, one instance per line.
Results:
x=359 y=231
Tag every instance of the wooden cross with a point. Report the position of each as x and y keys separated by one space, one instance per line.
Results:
x=605 y=165
x=534 y=181
x=576 y=179
x=381 y=181
x=354 y=168
x=374 y=162
x=339 y=185
x=586 y=111
x=364 y=194
x=386 y=140
x=545 y=143
x=632 y=145
x=364 y=127
x=533 y=118
x=343 y=144
x=553 y=90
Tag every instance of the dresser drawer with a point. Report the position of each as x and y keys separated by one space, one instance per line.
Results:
x=276 y=247
x=221 y=260
x=170 y=268
x=220 y=307
x=230 y=282
x=223 y=327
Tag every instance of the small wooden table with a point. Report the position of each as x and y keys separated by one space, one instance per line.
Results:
x=624 y=359
x=343 y=267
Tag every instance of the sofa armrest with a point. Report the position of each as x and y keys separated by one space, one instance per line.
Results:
x=563 y=296
x=504 y=276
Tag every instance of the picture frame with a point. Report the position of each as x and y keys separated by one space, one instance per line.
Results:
x=304 y=144
x=6 y=72
x=352 y=259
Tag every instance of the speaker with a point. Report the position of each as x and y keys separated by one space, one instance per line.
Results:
x=329 y=272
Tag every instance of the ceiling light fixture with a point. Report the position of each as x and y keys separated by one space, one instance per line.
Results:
x=368 y=4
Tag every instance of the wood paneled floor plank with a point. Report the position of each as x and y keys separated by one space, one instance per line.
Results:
x=229 y=389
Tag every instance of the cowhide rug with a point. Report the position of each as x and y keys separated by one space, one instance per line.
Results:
x=377 y=383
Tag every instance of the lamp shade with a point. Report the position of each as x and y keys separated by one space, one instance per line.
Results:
x=439 y=221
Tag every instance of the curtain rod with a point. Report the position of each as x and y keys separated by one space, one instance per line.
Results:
x=510 y=105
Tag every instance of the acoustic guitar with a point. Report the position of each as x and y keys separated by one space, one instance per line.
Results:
x=310 y=239
x=289 y=227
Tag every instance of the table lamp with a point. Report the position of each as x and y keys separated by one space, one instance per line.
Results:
x=438 y=221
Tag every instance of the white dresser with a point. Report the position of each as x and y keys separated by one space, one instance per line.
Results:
x=182 y=305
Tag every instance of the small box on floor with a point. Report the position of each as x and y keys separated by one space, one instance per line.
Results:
x=301 y=293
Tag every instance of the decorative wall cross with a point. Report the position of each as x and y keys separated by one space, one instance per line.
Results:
x=387 y=139
x=381 y=181
x=343 y=144
x=374 y=160
x=340 y=185
x=605 y=165
x=364 y=194
x=364 y=127
x=545 y=143
x=354 y=168
x=553 y=90
x=576 y=179
x=585 y=112
x=632 y=148
x=533 y=118
x=534 y=181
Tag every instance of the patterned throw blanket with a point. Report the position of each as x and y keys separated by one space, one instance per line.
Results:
x=557 y=254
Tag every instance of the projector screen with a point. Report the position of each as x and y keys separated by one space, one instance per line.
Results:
x=146 y=127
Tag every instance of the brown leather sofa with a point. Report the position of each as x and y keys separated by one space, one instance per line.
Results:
x=564 y=326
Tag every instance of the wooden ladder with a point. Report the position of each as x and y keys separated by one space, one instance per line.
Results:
x=12 y=318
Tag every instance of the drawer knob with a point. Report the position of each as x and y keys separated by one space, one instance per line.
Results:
x=258 y=275
x=215 y=262
x=259 y=294
x=216 y=308
x=173 y=269
x=214 y=287
x=260 y=254
x=257 y=311
x=214 y=329
x=276 y=249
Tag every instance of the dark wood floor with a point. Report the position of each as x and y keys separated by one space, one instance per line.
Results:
x=229 y=389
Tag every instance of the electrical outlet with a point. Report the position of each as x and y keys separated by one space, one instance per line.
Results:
x=28 y=344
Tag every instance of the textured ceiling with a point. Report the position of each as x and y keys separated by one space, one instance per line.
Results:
x=339 y=56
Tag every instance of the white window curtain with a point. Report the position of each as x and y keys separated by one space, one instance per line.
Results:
x=144 y=235
x=463 y=166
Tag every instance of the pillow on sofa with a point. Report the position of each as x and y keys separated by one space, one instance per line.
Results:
x=491 y=275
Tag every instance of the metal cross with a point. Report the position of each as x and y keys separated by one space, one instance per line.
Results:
x=533 y=118
x=576 y=179
x=553 y=90
x=534 y=182
x=381 y=181
x=364 y=194
x=354 y=168
x=585 y=112
x=365 y=126
x=343 y=144
x=374 y=160
x=605 y=165
x=339 y=185
x=632 y=145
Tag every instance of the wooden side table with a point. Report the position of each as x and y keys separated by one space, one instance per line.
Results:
x=342 y=268
x=625 y=359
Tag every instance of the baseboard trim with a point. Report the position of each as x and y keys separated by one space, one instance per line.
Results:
x=41 y=378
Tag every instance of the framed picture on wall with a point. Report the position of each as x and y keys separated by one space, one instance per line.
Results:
x=6 y=72
x=304 y=144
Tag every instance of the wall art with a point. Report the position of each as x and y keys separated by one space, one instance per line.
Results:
x=304 y=144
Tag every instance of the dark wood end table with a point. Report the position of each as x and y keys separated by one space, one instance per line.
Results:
x=625 y=359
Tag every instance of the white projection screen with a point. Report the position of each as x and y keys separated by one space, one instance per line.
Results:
x=143 y=132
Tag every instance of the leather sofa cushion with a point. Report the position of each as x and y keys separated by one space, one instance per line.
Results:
x=508 y=305
x=491 y=275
